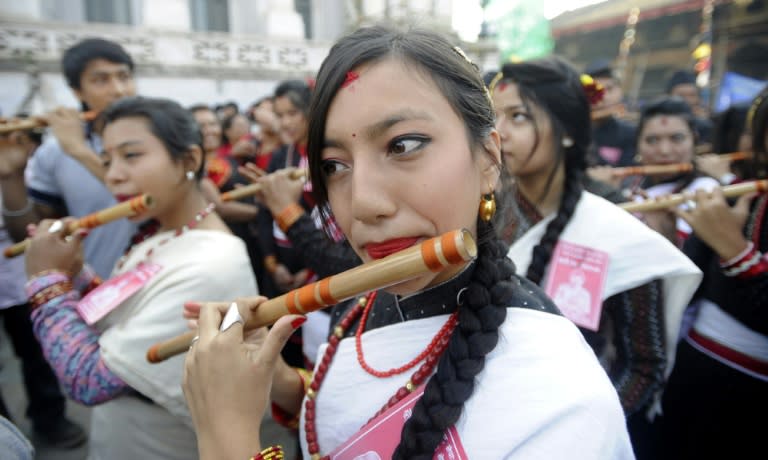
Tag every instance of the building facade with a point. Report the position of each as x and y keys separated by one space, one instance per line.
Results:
x=666 y=33
x=193 y=51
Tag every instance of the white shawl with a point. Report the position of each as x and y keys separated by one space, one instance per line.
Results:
x=638 y=255
x=542 y=393
x=197 y=265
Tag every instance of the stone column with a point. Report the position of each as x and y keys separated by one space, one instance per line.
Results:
x=167 y=14
x=282 y=20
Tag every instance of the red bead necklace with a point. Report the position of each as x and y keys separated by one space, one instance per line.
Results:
x=448 y=326
x=430 y=356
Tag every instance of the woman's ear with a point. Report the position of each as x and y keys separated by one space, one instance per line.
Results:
x=491 y=166
x=193 y=160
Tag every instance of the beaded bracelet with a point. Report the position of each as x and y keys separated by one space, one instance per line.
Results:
x=745 y=265
x=52 y=271
x=43 y=279
x=739 y=257
x=49 y=293
x=288 y=216
x=270 y=453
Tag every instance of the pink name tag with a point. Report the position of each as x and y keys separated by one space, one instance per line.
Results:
x=110 y=294
x=576 y=280
x=379 y=437
x=609 y=154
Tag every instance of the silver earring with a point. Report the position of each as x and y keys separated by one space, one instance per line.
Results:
x=567 y=142
x=190 y=175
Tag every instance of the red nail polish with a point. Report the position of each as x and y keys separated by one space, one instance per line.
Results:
x=298 y=322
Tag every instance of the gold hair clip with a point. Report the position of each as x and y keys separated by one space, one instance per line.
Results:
x=461 y=53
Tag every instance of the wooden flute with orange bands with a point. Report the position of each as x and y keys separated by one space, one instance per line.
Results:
x=434 y=255
x=252 y=189
x=23 y=124
x=673 y=168
x=130 y=208
x=650 y=170
x=657 y=204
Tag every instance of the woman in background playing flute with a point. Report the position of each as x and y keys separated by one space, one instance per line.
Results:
x=421 y=159
x=95 y=334
x=560 y=232
x=720 y=381
x=667 y=134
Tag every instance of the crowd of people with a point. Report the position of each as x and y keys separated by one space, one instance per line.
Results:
x=655 y=345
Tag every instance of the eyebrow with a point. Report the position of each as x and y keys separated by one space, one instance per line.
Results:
x=377 y=129
x=122 y=146
x=514 y=106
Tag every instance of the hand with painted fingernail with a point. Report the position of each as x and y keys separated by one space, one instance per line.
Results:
x=229 y=376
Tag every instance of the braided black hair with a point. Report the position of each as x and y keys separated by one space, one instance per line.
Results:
x=553 y=85
x=483 y=311
x=487 y=297
x=542 y=252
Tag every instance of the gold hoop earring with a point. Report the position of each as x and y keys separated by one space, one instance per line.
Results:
x=487 y=207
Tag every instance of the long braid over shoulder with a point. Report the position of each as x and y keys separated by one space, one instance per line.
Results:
x=490 y=291
x=554 y=86
x=542 y=252
x=482 y=312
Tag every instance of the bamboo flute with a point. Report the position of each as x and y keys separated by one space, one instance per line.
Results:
x=657 y=204
x=672 y=168
x=132 y=207
x=32 y=123
x=735 y=156
x=252 y=189
x=433 y=255
x=650 y=170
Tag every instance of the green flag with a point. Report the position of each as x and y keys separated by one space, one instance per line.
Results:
x=522 y=31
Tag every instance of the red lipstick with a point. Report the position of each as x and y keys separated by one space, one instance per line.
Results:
x=385 y=248
x=120 y=198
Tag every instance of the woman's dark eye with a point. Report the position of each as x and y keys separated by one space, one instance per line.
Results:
x=404 y=146
x=331 y=167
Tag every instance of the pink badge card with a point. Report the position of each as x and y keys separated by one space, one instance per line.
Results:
x=113 y=292
x=576 y=281
x=610 y=154
x=379 y=437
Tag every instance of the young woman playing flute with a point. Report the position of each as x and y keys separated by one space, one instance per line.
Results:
x=629 y=320
x=95 y=335
x=667 y=134
x=498 y=366
x=720 y=381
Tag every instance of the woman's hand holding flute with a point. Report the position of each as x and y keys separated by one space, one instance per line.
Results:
x=256 y=374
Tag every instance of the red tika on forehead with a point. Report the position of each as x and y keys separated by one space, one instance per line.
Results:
x=351 y=77
x=664 y=121
x=503 y=85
